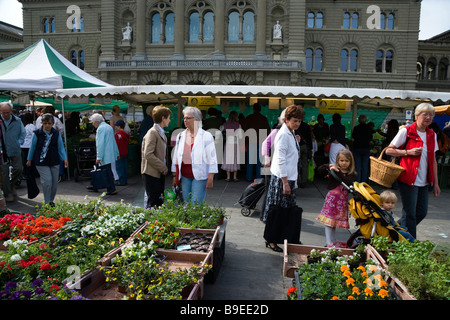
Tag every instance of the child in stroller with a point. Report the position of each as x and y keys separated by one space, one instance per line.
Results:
x=388 y=200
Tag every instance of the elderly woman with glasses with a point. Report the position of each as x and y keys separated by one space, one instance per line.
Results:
x=416 y=145
x=46 y=150
x=194 y=157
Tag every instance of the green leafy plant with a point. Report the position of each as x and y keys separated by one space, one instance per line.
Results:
x=380 y=243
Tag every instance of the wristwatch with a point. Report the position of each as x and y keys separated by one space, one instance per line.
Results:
x=406 y=152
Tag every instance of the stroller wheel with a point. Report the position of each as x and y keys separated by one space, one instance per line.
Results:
x=245 y=212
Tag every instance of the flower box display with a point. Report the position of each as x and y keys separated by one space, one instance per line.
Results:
x=419 y=270
x=296 y=254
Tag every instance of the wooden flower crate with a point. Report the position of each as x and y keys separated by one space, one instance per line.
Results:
x=296 y=254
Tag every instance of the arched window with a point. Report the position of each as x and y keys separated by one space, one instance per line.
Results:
x=319 y=20
x=382 y=21
x=208 y=27
x=315 y=20
x=384 y=61
x=318 y=55
x=77 y=58
x=45 y=25
x=170 y=28
x=311 y=18
x=52 y=25
x=389 y=61
x=354 y=60
x=391 y=20
x=355 y=20
x=314 y=59
x=81 y=59
x=248 y=31
x=156 y=28
x=309 y=59
x=346 y=21
x=233 y=27
x=443 y=69
x=344 y=60
x=350 y=21
x=194 y=27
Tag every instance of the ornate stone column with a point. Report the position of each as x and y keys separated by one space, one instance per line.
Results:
x=140 y=31
x=219 y=31
x=261 y=27
x=178 y=53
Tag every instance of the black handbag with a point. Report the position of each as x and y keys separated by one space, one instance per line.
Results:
x=283 y=223
x=99 y=177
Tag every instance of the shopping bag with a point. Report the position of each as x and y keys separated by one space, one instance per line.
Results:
x=311 y=170
x=32 y=187
x=99 y=177
x=283 y=223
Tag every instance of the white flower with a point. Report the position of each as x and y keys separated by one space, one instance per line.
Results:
x=16 y=257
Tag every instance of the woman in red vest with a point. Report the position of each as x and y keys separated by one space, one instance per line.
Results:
x=416 y=145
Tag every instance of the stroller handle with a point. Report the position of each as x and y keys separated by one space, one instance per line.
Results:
x=335 y=176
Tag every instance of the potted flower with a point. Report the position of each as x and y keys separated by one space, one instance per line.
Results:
x=332 y=254
x=314 y=256
x=354 y=261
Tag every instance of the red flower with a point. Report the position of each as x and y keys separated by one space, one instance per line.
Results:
x=292 y=290
x=54 y=287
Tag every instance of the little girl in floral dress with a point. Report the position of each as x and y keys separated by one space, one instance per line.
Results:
x=334 y=213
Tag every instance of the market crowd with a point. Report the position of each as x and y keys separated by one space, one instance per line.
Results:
x=286 y=155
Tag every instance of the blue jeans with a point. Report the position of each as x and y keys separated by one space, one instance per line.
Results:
x=193 y=190
x=415 y=206
x=362 y=157
x=122 y=170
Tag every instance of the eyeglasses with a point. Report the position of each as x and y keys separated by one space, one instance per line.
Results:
x=188 y=118
x=425 y=115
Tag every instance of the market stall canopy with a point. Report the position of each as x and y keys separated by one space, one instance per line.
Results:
x=41 y=68
x=441 y=110
x=171 y=93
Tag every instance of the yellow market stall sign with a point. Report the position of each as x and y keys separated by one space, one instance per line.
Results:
x=203 y=103
x=334 y=106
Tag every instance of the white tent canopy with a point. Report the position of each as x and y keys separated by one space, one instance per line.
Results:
x=163 y=93
x=41 y=68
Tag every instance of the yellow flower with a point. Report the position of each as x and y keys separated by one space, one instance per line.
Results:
x=335 y=298
x=130 y=286
x=355 y=290
x=373 y=268
x=350 y=298
x=350 y=281
x=361 y=268
x=368 y=292
x=107 y=279
x=347 y=274
x=344 y=268
x=383 y=293
x=368 y=282
x=382 y=284
x=364 y=274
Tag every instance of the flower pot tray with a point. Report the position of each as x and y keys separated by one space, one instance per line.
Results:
x=373 y=254
x=399 y=288
x=181 y=259
x=207 y=236
x=296 y=254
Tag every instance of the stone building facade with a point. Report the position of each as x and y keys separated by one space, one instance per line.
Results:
x=348 y=43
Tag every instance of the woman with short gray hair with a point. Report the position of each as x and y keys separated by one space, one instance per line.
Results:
x=194 y=158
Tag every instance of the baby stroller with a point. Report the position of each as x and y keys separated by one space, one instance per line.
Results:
x=86 y=156
x=251 y=195
x=371 y=219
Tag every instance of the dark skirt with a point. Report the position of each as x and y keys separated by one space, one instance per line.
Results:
x=276 y=197
x=283 y=216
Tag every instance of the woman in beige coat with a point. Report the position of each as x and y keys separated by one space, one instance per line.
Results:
x=154 y=157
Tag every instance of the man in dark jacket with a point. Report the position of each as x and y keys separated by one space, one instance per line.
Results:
x=304 y=131
x=362 y=135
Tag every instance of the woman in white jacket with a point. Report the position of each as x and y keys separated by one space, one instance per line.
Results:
x=194 y=158
x=281 y=191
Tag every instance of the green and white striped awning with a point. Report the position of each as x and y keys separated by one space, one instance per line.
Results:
x=41 y=68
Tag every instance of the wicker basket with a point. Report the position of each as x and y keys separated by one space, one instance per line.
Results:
x=384 y=172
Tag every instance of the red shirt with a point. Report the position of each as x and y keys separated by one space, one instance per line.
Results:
x=186 y=165
x=122 y=140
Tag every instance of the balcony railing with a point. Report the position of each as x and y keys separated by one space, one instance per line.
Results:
x=201 y=64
